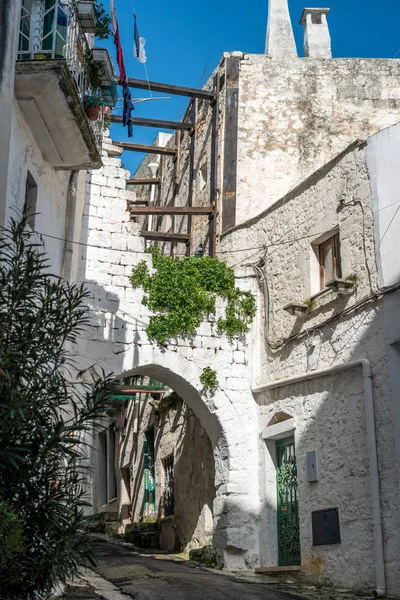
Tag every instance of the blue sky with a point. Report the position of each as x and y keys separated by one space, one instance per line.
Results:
x=185 y=41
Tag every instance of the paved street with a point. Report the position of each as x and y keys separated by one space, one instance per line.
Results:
x=155 y=577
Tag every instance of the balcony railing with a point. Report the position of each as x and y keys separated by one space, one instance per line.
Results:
x=50 y=29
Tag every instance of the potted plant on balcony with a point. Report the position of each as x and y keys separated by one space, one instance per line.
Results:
x=93 y=103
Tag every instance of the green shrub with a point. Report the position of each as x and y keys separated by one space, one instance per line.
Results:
x=45 y=422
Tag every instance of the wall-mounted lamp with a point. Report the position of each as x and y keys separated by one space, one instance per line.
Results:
x=153 y=168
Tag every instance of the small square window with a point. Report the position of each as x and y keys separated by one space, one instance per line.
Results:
x=329 y=260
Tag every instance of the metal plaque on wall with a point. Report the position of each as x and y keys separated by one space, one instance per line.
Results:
x=326 y=527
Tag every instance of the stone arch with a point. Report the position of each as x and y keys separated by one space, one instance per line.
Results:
x=185 y=389
x=229 y=419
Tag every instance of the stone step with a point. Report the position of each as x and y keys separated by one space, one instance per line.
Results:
x=277 y=570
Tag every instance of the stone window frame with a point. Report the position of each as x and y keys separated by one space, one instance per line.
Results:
x=317 y=271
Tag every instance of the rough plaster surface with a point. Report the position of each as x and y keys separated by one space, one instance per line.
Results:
x=280 y=37
x=9 y=13
x=296 y=115
x=383 y=166
x=52 y=188
x=329 y=413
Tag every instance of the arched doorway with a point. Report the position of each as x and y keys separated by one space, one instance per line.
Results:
x=229 y=419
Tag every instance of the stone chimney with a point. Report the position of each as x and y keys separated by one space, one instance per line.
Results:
x=317 y=39
x=280 y=37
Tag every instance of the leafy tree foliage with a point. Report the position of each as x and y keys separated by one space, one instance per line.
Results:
x=45 y=422
x=182 y=292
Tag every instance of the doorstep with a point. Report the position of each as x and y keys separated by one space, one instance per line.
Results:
x=272 y=570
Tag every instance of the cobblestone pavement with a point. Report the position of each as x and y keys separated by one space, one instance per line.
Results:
x=125 y=573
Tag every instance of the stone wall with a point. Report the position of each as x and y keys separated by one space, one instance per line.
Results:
x=178 y=432
x=117 y=341
x=295 y=115
x=329 y=412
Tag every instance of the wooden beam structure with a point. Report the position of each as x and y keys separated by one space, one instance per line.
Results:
x=167 y=88
x=143 y=181
x=172 y=210
x=145 y=148
x=214 y=166
x=157 y=123
x=230 y=144
x=160 y=236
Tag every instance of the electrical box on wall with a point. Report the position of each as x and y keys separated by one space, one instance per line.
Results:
x=326 y=527
x=312 y=470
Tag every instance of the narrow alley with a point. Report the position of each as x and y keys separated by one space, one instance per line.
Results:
x=124 y=572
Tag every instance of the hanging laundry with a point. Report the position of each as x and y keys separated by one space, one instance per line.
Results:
x=120 y=56
x=139 y=44
x=113 y=13
x=128 y=104
x=128 y=108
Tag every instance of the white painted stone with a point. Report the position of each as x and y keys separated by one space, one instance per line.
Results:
x=280 y=37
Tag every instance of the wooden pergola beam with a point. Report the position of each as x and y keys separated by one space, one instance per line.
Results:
x=172 y=210
x=167 y=88
x=160 y=236
x=157 y=123
x=145 y=148
x=143 y=181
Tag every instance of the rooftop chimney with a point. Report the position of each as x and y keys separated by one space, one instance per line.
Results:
x=317 y=39
x=280 y=38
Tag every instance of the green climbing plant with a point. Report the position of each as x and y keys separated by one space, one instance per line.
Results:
x=208 y=379
x=183 y=291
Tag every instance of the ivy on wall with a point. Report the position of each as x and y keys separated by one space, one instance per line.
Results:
x=183 y=291
x=209 y=379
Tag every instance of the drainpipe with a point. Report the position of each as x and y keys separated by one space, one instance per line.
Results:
x=363 y=363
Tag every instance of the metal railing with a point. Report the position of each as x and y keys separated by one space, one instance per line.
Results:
x=50 y=29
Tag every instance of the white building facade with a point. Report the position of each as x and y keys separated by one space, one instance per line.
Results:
x=297 y=158
x=304 y=424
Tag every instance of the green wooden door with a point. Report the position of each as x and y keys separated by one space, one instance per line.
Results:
x=149 y=473
x=288 y=507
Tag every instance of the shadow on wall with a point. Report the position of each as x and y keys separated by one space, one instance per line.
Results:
x=194 y=472
x=178 y=432
x=331 y=418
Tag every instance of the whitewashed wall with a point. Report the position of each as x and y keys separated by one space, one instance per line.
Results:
x=52 y=185
x=117 y=342
x=329 y=412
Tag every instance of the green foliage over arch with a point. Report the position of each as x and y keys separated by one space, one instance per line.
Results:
x=183 y=291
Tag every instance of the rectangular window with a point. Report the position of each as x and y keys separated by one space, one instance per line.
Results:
x=168 y=495
x=31 y=192
x=329 y=260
